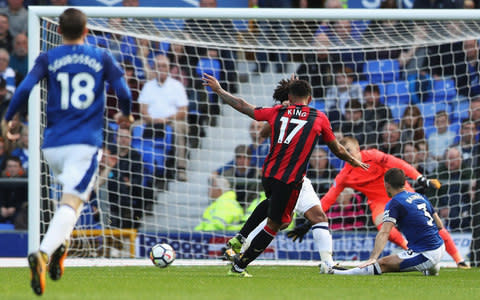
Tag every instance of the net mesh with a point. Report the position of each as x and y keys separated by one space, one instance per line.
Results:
x=384 y=82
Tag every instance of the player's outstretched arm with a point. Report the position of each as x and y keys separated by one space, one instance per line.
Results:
x=235 y=102
x=380 y=242
x=343 y=154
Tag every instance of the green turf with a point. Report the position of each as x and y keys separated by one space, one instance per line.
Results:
x=179 y=282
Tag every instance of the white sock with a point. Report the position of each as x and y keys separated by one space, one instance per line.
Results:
x=368 y=270
x=323 y=239
x=59 y=229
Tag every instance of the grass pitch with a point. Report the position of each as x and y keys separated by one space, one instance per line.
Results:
x=211 y=282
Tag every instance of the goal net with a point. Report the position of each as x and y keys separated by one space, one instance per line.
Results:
x=401 y=82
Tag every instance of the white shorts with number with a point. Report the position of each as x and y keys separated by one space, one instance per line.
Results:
x=75 y=167
x=307 y=198
x=420 y=261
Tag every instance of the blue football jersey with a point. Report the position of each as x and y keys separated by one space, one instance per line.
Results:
x=413 y=215
x=76 y=76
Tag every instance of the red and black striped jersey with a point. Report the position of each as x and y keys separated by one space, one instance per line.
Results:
x=295 y=133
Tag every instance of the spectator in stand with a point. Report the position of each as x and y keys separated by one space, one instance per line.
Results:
x=353 y=124
x=5 y=96
x=224 y=213
x=135 y=86
x=123 y=48
x=390 y=142
x=272 y=33
x=320 y=172
x=411 y=125
x=243 y=178
x=374 y=113
x=181 y=64
x=458 y=60
x=467 y=69
x=19 y=57
x=409 y=154
x=471 y=4
x=259 y=147
x=383 y=31
x=440 y=140
x=124 y=184
x=163 y=100
x=317 y=69
x=17 y=16
x=5 y=71
x=474 y=111
x=12 y=196
x=342 y=33
x=343 y=91
x=305 y=29
x=6 y=38
x=21 y=151
x=200 y=30
x=454 y=198
x=426 y=163
x=469 y=145
x=348 y=212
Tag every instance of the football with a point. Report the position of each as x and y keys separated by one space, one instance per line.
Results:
x=162 y=255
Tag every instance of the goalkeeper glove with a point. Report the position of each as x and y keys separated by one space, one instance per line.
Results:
x=299 y=231
x=431 y=183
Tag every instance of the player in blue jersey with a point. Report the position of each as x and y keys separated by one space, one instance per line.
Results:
x=412 y=214
x=76 y=75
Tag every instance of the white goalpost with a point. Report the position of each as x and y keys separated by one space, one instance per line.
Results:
x=141 y=200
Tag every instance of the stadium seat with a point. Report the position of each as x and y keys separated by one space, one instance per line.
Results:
x=397 y=97
x=318 y=104
x=396 y=93
x=154 y=151
x=384 y=70
x=443 y=91
x=6 y=226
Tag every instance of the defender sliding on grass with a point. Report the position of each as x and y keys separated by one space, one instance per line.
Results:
x=412 y=213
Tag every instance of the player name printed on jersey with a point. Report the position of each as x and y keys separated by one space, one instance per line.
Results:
x=297 y=112
x=75 y=59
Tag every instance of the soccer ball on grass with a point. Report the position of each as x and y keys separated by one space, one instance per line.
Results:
x=162 y=255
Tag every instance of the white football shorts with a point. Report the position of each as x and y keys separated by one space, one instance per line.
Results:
x=75 y=167
x=422 y=261
x=307 y=198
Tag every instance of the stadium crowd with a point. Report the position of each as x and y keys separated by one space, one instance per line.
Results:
x=421 y=104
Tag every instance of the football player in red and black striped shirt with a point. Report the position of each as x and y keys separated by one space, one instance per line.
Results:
x=295 y=132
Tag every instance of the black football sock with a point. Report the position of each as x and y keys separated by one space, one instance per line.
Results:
x=257 y=246
x=258 y=215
